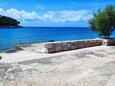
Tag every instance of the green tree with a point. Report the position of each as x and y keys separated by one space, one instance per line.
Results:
x=103 y=21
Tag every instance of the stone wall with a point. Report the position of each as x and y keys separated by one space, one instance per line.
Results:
x=53 y=47
x=108 y=41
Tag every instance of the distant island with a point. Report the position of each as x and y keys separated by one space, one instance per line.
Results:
x=8 y=22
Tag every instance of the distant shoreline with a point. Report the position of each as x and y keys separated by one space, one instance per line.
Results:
x=49 y=27
x=36 y=27
x=11 y=27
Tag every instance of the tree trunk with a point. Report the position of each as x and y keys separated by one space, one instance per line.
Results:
x=108 y=36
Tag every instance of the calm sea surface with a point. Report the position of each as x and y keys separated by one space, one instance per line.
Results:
x=9 y=37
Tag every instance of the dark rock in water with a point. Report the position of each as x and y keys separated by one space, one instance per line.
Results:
x=51 y=40
x=0 y=57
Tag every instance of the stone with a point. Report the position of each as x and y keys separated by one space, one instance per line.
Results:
x=51 y=50
x=0 y=57
x=71 y=45
x=58 y=49
x=49 y=45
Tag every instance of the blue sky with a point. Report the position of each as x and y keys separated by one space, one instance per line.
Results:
x=73 y=13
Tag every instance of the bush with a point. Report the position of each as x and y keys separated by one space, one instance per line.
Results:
x=103 y=21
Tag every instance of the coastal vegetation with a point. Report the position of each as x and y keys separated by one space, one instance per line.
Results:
x=8 y=22
x=103 y=21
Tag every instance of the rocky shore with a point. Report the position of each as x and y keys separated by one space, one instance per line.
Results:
x=61 y=46
x=92 y=66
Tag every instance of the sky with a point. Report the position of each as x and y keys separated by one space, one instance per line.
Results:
x=52 y=13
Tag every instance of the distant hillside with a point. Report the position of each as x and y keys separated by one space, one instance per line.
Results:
x=8 y=22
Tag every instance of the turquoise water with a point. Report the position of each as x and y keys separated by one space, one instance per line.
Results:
x=9 y=37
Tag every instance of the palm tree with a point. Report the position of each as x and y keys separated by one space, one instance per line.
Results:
x=103 y=21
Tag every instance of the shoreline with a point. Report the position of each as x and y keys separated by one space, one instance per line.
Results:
x=60 y=43
x=31 y=43
x=79 y=66
x=11 y=26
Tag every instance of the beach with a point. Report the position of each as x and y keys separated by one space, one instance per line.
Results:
x=57 y=43
x=93 y=66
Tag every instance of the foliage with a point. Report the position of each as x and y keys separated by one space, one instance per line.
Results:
x=7 y=21
x=103 y=21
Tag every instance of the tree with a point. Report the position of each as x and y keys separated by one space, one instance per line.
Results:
x=7 y=22
x=103 y=21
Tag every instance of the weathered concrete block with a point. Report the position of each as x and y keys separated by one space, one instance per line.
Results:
x=49 y=45
x=58 y=47
x=50 y=50
x=108 y=42
x=64 y=46
x=71 y=45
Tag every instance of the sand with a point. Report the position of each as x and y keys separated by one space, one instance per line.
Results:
x=94 y=66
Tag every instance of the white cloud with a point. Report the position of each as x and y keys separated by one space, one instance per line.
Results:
x=50 y=16
x=19 y=14
x=67 y=16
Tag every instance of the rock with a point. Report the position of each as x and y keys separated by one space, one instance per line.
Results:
x=71 y=45
x=0 y=57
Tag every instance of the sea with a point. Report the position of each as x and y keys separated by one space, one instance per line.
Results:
x=10 y=37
